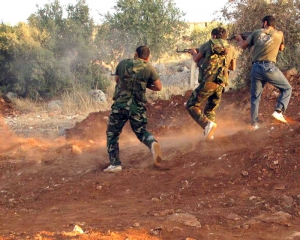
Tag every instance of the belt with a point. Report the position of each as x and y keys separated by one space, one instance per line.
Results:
x=262 y=62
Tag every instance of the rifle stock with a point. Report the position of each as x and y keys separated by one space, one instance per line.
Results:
x=244 y=36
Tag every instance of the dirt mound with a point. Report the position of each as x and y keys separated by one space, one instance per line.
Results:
x=170 y=116
x=242 y=185
x=164 y=116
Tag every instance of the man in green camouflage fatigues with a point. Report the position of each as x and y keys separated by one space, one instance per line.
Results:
x=133 y=76
x=217 y=57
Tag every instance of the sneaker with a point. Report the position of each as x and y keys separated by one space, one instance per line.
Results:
x=156 y=153
x=279 y=116
x=209 y=130
x=254 y=127
x=113 y=169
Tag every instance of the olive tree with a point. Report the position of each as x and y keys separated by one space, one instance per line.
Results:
x=155 y=23
x=246 y=15
x=71 y=41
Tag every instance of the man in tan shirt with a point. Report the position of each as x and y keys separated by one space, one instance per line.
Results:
x=266 y=43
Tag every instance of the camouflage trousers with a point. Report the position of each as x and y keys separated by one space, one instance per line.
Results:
x=210 y=93
x=117 y=119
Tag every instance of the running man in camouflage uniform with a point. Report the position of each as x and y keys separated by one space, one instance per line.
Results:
x=217 y=57
x=133 y=76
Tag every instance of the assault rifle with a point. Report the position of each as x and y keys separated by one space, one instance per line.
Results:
x=244 y=36
x=186 y=50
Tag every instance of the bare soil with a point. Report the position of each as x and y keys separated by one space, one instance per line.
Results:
x=244 y=184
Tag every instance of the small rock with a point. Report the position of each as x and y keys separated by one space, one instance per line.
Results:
x=245 y=173
x=78 y=229
x=98 y=95
x=55 y=105
x=233 y=216
x=155 y=200
x=246 y=226
x=186 y=219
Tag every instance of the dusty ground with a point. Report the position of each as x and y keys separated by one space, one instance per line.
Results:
x=242 y=185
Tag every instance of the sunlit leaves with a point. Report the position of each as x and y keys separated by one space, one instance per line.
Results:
x=156 y=23
x=52 y=52
x=246 y=15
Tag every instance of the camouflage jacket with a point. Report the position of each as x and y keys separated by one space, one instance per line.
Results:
x=134 y=76
x=217 y=57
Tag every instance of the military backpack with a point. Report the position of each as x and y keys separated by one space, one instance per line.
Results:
x=213 y=67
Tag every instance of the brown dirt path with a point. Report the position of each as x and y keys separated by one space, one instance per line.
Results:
x=242 y=185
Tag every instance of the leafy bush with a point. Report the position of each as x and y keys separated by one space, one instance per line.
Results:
x=245 y=16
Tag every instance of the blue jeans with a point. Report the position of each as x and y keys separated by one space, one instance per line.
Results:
x=261 y=74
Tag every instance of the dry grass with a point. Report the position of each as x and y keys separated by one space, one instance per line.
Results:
x=74 y=102
x=78 y=100
x=27 y=105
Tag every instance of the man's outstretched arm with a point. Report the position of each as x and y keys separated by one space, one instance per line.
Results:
x=156 y=86
x=241 y=42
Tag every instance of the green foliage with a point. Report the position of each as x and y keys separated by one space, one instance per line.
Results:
x=99 y=80
x=201 y=34
x=112 y=44
x=51 y=54
x=144 y=22
x=246 y=15
x=8 y=39
x=61 y=47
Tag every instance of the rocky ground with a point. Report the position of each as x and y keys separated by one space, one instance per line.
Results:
x=242 y=185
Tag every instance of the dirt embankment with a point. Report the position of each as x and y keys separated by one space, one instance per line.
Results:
x=242 y=185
